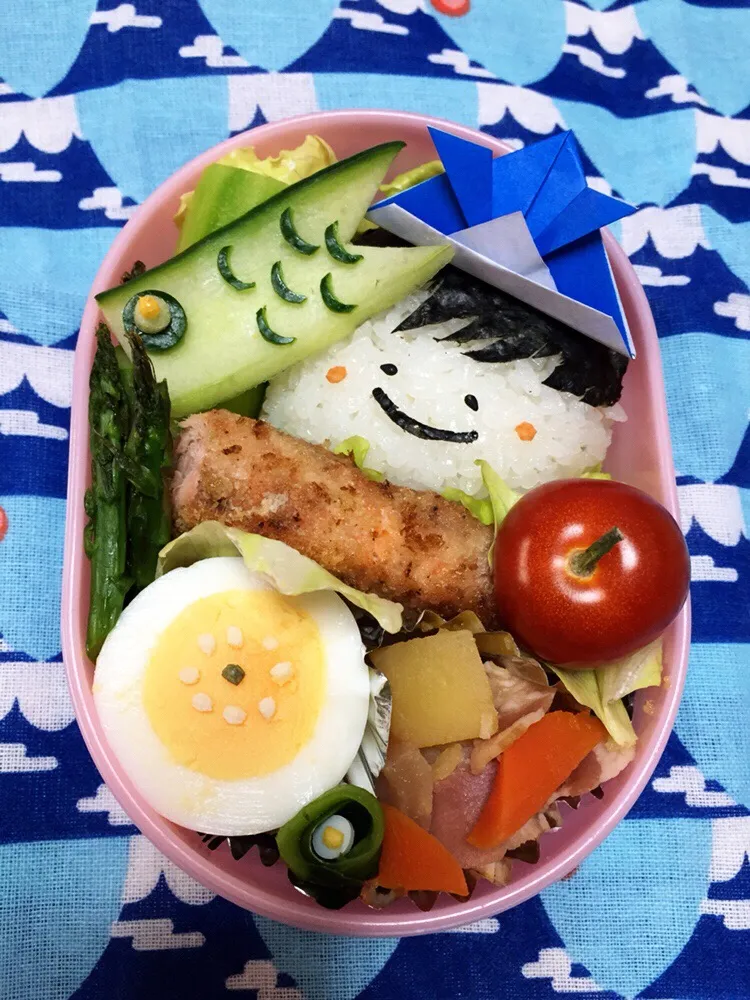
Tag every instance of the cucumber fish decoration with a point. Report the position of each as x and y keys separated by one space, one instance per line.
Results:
x=282 y=275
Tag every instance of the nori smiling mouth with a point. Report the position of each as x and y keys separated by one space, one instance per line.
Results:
x=415 y=427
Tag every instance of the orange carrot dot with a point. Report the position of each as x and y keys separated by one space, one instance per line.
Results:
x=336 y=374
x=3 y=523
x=526 y=431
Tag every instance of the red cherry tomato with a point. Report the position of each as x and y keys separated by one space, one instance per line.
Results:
x=3 y=523
x=563 y=608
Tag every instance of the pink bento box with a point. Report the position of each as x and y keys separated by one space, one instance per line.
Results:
x=640 y=454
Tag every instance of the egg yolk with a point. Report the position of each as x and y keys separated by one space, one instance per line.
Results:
x=333 y=838
x=248 y=729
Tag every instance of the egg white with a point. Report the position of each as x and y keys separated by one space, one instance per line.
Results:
x=198 y=801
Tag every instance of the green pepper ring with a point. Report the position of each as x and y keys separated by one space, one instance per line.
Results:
x=363 y=810
x=170 y=335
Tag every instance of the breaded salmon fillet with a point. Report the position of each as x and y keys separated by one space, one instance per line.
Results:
x=407 y=545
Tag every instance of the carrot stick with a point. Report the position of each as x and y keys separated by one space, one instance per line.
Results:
x=412 y=858
x=530 y=770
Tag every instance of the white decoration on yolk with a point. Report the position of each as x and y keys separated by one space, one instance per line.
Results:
x=333 y=837
x=202 y=702
x=206 y=643
x=234 y=715
x=190 y=675
x=234 y=637
x=267 y=707
x=270 y=642
x=281 y=672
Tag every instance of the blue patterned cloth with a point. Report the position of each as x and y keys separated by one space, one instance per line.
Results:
x=98 y=104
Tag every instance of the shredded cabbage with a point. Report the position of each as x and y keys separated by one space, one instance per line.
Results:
x=603 y=689
x=288 y=571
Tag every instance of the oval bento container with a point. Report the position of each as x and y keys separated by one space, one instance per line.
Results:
x=640 y=454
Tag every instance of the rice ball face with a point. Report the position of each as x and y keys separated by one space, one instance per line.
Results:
x=429 y=412
x=229 y=705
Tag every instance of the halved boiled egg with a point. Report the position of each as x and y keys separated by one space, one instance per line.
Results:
x=229 y=705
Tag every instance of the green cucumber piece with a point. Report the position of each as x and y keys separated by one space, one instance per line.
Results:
x=293 y=238
x=164 y=339
x=222 y=262
x=247 y=403
x=222 y=195
x=223 y=353
x=267 y=333
x=280 y=286
x=336 y=249
x=329 y=298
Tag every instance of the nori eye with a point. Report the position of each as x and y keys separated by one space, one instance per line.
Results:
x=471 y=402
x=389 y=369
x=170 y=335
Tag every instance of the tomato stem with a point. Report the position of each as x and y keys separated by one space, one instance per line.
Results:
x=584 y=563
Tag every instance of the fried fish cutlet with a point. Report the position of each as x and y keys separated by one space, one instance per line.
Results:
x=408 y=545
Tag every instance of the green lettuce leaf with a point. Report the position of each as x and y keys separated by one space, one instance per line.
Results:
x=478 y=507
x=595 y=472
x=502 y=497
x=494 y=507
x=491 y=509
x=289 y=571
x=358 y=447
x=603 y=689
x=290 y=166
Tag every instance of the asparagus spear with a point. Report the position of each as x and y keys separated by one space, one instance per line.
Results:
x=105 y=536
x=147 y=454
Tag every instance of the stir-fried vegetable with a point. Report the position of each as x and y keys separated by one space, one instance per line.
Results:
x=441 y=693
x=413 y=859
x=531 y=770
x=105 y=537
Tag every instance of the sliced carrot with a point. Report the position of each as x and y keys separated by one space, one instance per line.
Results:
x=336 y=374
x=526 y=431
x=530 y=770
x=413 y=859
